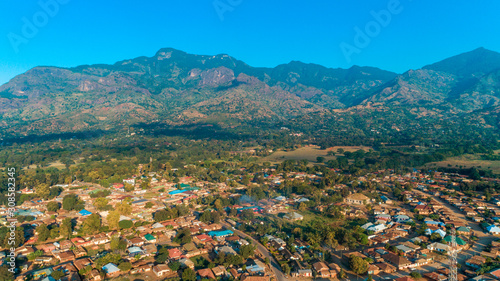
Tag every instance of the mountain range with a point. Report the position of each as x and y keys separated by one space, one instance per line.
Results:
x=175 y=87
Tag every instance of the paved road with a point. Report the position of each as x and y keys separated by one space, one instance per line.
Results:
x=274 y=265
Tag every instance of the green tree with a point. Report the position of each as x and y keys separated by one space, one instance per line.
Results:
x=302 y=206
x=124 y=208
x=92 y=224
x=342 y=274
x=245 y=180
x=118 y=244
x=188 y=275
x=66 y=228
x=5 y=274
x=161 y=215
x=43 y=191
x=163 y=255
x=422 y=229
x=264 y=240
x=32 y=256
x=474 y=174
x=101 y=203
x=218 y=205
x=286 y=268
x=85 y=270
x=247 y=214
x=183 y=236
x=358 y=265
x=125 y=266
x=145 y=184
x=54 y=233
x=57 y=274
x=415 y=275
x=43 y=232
x=110 y=257
x=113 y=220
x=175 y=265
x=53 y=206
x=247 y=251
x=55 y=191
x=435 y=237
x=17 y=241
x=206 y=217
x=71 y=202
x=128 y=187
x=125 y=224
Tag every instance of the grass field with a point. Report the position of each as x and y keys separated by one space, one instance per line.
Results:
x=56 y=164
x=467 y=161
x=309 y=153
x=310 y=216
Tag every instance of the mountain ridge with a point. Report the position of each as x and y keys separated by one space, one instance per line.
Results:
x=180 y=88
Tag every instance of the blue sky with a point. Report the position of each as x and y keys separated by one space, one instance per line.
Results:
x=261 y=33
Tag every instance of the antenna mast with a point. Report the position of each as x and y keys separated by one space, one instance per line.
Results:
x=453 y=256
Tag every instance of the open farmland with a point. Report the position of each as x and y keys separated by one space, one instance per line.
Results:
x=309 y=153
x=468 y=161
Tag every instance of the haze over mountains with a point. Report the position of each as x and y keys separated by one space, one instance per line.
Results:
x=179 y=88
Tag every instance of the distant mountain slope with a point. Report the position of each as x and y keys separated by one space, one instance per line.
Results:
x=484 y=93
x=465 y=82
x=175 y=87
x=475 y=63
x=416 y=87
x=333 y=88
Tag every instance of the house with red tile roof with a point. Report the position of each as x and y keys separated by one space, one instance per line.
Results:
x=174 y=253
x=206 y=273
x=203 y=238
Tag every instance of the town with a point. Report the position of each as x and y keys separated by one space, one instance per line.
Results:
x=233 y=140
x=381 y=225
